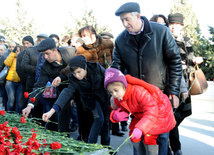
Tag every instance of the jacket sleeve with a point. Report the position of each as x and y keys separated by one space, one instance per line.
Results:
x=2 y=59
x=183 y=87
x=116 y=60
x=9 y=60
x=149 y=109
x=173 y=61
x=41 y=83
x=39 y=64
x=26 y=63
x=65 y=96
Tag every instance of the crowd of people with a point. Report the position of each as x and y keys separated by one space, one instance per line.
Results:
x=92 y=82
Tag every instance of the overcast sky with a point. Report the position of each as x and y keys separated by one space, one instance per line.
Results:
x=50 y=16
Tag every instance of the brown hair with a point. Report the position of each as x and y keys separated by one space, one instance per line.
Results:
x=89 y=29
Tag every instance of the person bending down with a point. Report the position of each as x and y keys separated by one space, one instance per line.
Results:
x=151 y=110
x=87 y=79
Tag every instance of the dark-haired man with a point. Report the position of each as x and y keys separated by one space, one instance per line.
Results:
x=55 y=61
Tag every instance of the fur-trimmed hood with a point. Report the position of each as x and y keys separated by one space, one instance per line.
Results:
x=100 y=51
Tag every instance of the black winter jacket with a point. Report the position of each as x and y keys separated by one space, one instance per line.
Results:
x=155 y=58
x=52 y=70
x=28 y=65
x=22 y=74
x=88 y=96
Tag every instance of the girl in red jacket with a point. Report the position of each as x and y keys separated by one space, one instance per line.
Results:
x=150 y=109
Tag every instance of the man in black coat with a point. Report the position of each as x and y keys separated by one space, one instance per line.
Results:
x=55 y=61
x=149 y=52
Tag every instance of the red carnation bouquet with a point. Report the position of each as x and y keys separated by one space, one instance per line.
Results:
x=19 y=135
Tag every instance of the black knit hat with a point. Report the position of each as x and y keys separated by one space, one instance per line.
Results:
x=29 y=39
x=176 y=18
x=128 y=7
x=77 y=61
x=46 y=44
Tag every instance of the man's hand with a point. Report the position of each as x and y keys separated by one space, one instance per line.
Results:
x=26 y=111
x=47 y=115
x=185 y=95
x=175 y=100
x=56 y=82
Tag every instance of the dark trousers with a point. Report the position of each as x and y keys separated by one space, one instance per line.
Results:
x=73 y=115
x=85 y=119
x=124 y=123
x=3 y=94
x=15 y=96
x=64 y=118
x=184 y=110
x=92 y=122
x=115 y=127
x=162 y=142
x=100 y=125
x=174 y=139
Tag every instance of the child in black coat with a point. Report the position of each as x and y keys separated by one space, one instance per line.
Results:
x=87 y=79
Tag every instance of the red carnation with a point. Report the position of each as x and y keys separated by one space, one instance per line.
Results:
x=2 y=149
x=22 y=119
x=33 y=130
x=55 y=145
x=44 y=142
x=8 y=143
x=26 y=94
x=33 y=99
x=34 y=136
x=2 y=112
x=36 y=145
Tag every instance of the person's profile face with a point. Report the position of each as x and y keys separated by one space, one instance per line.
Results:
x=87 y=37
x=176 y=29
x=11 y=46
x=49 y=55
x=130 y=22
x=79 y=73
x=27 y=44
x=117 y=90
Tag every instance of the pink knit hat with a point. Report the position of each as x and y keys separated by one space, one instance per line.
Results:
x=114 y=75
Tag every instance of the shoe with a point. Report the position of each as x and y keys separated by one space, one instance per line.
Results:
x=73 y=128
x=178 y=152
x=120 y=134
x=124 y=128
